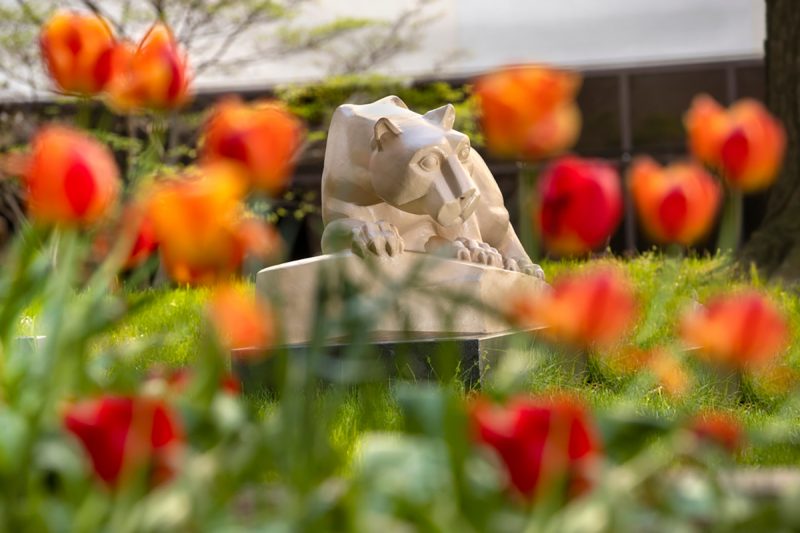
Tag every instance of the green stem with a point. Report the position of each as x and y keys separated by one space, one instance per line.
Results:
x=83 y=117
x=730 y=232
x=526 y=182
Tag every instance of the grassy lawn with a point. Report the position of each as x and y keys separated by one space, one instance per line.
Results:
x=173 y=319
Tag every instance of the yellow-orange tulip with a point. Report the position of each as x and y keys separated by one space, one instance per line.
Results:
x=155 y=76
x=70 y=178
x=77 y=51
x=262 y=137
x=740 y=330
x=529 y=112
x=677 y=203
x=597 y=307
x=745 y=142
x=241 y=320
x=199 y=224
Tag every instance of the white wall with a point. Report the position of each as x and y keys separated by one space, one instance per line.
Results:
x=582 y=33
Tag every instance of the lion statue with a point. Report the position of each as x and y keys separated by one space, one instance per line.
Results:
x=397 y=181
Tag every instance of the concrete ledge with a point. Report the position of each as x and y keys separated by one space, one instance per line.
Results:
x=458 y=356
x=294 y=289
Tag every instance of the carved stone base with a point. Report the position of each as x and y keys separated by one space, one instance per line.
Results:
x=467 y=357
x=441 y=298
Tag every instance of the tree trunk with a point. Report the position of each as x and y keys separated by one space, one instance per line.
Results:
x=775 y=247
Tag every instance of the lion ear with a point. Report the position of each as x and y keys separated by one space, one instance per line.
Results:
x=384 y=127
x=444 y=116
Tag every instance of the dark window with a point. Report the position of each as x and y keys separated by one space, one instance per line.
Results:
x=599 y=103
x=658 y=102
x=750 y=82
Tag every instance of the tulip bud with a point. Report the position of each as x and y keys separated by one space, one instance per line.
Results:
x=597 y=307
x=264 y=138
x=71 y=178
x=155 y=76
x=122 y=434
x=544 y=443
x=676 y=204
x=199 y=224
x=241 y=320
x=77 y=51
x=529 y=112
x=745 y=143
x=580 y=205
x=741 y=330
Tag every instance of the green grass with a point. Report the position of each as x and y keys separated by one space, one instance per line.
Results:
x=173 y=318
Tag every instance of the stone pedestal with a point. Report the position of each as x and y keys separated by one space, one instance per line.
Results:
x=469 y=358
x=441 y=297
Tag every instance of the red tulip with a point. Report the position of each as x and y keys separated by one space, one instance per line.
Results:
x=179 y=380
x=77 y=51
x=122 y=435
x=591 y=308
x=580 y=205
x=745 y=142
x=542 y=442
x=529 y=112
x=70 y=177
x=719 y=428
x=155 y=76
x=241 y=320
x=677 y=203
x=262 y=137
x=740 y=330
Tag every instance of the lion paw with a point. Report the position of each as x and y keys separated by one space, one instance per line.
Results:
x=477 y=252
x=523 y=265
x=377 y=238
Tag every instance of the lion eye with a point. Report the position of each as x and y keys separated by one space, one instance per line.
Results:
x=463 y=154
x=429 y=162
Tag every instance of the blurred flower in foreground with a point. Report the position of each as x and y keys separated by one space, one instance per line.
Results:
x=241 y=320
x=719 y=428
x=200 y=227
x=597 y=307
x=543 y=442
x=529 y=112
x=580 y=205
x=123 y=435
x=137 y=221
x=77 y=51
x=155 y=76
x=263 y=137
x=739 y=330
x=670 y=375
x=677 y=203
x=745 y=142
x=177 y=381
x=70 y=177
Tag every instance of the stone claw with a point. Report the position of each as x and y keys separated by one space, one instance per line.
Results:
x=377 y=238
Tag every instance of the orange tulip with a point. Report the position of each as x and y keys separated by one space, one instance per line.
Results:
x=77 y=51
x=199 y=224
x=241 y=320
x=71 y=178
x=718 y=428
x=740 y=330
x=676 y=203
x=155 y=76
x=529 y=112
x=597 y=307
x=580 y=205
x=745 y=142
x=262 y=137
